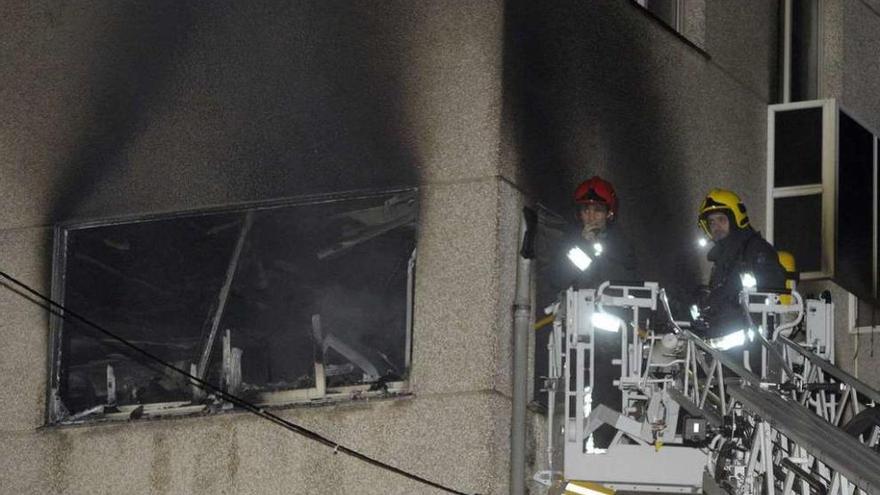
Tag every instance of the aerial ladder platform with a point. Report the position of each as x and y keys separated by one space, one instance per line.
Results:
x=694 y=417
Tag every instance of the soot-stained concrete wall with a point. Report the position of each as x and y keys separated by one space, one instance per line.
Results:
x=602 y=88
x=177 y=105
x=122 y=108
x=126 y=108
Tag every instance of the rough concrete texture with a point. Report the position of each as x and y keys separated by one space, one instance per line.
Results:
x=833 y=63
x=23 y=329
x=456 y=329
x=465 y=283
x=121 y=108
x=117 y=108
x=510 y=205
x=862 y=43
x=742 y=38
x=873 y=5
x=28 y=459
x=238 y=453
x=458 y=56
x=605 y=90
x=500 y=450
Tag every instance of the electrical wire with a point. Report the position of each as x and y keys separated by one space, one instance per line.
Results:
x=59 y=310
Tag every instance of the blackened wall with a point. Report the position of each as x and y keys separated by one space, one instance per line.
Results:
x=119 y=108
x=604 y=88
x=115 y=108
x=122 y=107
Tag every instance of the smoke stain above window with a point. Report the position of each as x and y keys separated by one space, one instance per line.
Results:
x=297 y=302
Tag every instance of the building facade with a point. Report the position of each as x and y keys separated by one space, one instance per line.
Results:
x=126 y=109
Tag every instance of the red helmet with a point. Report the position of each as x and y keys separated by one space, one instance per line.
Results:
x=597 y=190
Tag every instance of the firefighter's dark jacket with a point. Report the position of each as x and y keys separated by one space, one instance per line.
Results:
x=617 y=262
x=742 y=251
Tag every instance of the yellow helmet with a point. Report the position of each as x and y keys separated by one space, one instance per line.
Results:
x=723 y=200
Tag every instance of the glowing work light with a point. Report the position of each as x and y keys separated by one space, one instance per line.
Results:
x=579 y=258
x=729 y=341
x=605 y=321
x=748 y=280
x=597 y=248
x=702 y=242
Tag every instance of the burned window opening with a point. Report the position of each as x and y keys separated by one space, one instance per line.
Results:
x=286 y=303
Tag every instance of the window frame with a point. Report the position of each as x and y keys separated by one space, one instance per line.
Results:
x=827 y=188
x=678 y=22
x=788 y=34
x=830 y=164
x=678 y=29
x=319 y=394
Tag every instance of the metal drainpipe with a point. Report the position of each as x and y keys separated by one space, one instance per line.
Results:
x=521 y=320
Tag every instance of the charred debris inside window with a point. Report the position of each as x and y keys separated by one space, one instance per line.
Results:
x=303 y=302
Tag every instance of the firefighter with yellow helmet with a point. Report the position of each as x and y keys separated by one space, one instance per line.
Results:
x=739 y=256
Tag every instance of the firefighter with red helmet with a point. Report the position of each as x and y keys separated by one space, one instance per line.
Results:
x=612 y=258
x=597 y=205
x=611 y=255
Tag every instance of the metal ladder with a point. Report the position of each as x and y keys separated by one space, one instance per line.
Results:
x=779 y=430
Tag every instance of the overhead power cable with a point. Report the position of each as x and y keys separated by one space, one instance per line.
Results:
x=66 y=314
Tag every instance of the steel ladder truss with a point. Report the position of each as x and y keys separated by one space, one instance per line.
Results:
x=695 y=418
